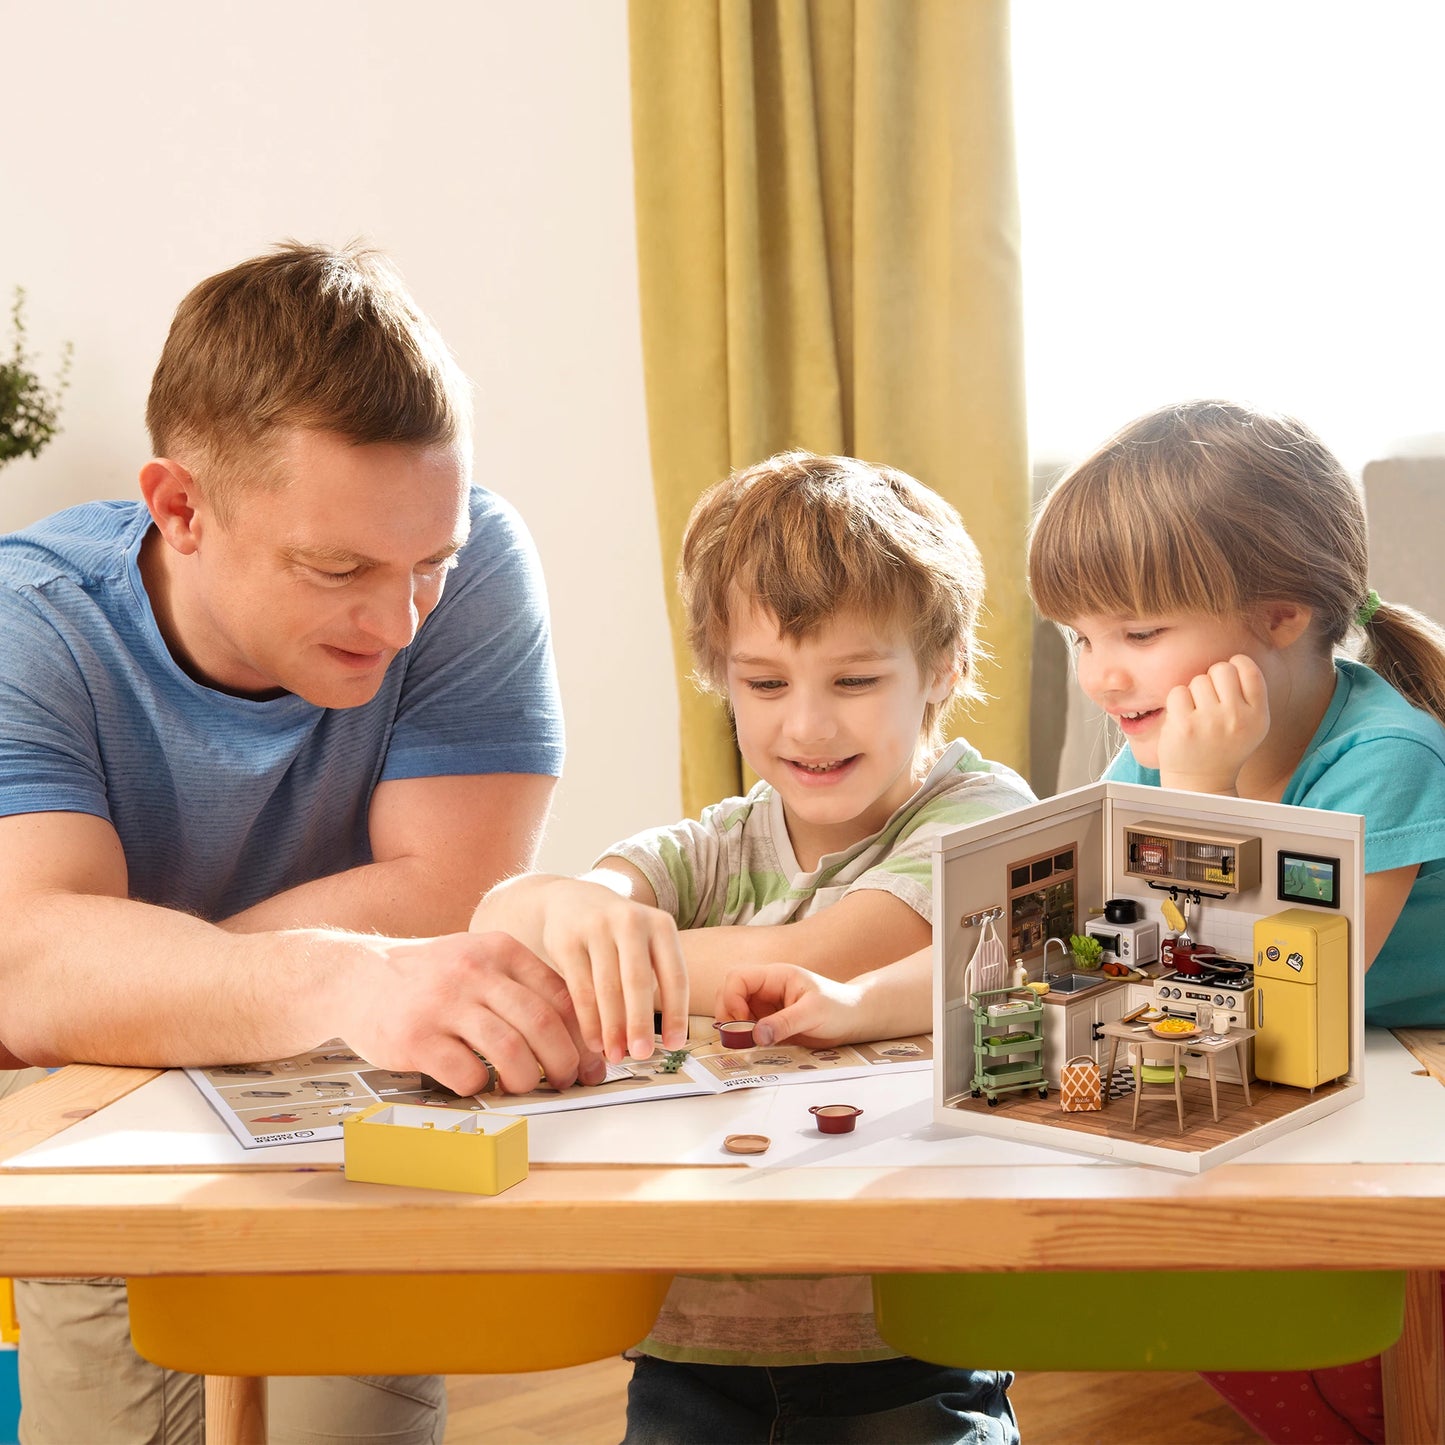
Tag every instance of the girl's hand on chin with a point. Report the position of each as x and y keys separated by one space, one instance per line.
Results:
x=1212 y=726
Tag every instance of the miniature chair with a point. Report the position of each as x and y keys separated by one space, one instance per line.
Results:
x=1141 y=1321
x=1168 y=1072
x=238 y=1329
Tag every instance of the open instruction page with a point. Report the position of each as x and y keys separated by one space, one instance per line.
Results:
x=308 y=1097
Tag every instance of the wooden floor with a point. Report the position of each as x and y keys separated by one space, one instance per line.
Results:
x=1158 y=1115
x=585 y=1406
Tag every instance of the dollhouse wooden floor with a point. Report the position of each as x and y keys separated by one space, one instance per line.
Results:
x=1158 y=1120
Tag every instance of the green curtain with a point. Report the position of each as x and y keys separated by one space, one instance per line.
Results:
x=828 y=258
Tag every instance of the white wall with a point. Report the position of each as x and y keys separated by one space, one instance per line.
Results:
x=485 y=144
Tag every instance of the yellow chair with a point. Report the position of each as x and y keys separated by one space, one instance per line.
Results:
x=246 y=1327
x=1159 y=1320
x=9 y=1373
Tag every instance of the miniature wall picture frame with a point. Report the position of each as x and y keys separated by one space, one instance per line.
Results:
x=435 y=1148
x=1308 y=878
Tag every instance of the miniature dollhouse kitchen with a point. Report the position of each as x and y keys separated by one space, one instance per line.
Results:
x=1149 y=975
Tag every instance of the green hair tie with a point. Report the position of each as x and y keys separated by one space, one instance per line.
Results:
x=1368 y=608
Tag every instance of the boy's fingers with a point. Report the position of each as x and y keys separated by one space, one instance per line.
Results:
x=574 y=963
x=607 y=961
x=672 y=987
x=635 y=969
x=797 y=1018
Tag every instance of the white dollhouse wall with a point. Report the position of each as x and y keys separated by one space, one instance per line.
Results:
x=981 y=883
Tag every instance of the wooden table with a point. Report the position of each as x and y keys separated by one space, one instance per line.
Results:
x=1210 y=1045
x=1065 y=1216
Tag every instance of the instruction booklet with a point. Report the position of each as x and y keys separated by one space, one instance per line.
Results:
x=308 y=1097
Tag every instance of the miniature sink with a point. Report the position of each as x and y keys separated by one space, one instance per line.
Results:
x=1075 y=983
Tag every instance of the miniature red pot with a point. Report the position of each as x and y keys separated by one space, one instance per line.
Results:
x=736 y=1034
x=834 y=1118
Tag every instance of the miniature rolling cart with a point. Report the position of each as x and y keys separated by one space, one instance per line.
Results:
x=1006 y=1031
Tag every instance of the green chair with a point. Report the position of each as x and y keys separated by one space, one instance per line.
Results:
x=1153 y=1320
x=1167 y=1071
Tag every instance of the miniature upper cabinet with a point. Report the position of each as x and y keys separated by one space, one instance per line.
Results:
x=1185 y=858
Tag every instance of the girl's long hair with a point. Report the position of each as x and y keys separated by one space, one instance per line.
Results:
x=1215 y=507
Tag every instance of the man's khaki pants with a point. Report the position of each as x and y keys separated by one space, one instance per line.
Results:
x=81 y=1383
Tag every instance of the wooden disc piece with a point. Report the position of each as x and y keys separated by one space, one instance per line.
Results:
x=747 y=1143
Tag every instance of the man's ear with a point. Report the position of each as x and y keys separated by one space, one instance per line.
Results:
x=1286 y=622
x=171 y=497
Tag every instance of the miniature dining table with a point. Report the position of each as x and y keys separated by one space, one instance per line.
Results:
x=1209 y=1045
x=1072 y=1215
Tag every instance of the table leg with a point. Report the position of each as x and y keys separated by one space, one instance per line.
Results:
x=1213 y=1085
x=1109 y=1073
x=1241 y=1052
x=235 y=1410
x=1411 y=1369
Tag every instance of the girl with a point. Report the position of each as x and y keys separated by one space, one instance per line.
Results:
x=1210 y=562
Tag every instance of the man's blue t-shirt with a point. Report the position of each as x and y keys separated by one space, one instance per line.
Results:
x=1373 y=753
x=222 y=801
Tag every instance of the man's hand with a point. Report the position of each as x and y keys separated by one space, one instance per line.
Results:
x=1213 y=726
x=434 y=1004
x=792 y=1004
x=620 y=957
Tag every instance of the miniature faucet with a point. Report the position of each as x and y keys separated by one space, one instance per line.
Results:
x=1062 y=949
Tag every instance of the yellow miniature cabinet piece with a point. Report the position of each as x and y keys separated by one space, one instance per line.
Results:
x=1189 y=858
x=432 y=1148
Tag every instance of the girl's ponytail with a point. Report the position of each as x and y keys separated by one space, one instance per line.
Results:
x=1407 y=649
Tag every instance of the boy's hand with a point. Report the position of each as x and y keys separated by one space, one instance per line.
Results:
x=1213 y=726
x=790 y=1003
x=620 y=958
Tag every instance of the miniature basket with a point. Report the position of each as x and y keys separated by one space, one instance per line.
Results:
x=1080 y=1089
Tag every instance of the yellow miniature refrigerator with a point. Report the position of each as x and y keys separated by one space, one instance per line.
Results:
x=1301 y=997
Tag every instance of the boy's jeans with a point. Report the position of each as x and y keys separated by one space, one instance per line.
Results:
x=883 y=1402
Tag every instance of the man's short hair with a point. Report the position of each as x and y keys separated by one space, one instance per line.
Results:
x=805 y=538
x=305 y=336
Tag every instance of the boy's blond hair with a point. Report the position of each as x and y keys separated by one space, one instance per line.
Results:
x=306 y=336
x=806 y=538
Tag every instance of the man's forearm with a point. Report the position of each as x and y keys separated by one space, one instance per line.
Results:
x=108 y=980
x=402 y=898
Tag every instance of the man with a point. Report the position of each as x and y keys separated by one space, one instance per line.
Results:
x=263 y=737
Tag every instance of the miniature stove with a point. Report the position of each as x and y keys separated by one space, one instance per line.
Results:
x=1197 y=995
x=1175 y=992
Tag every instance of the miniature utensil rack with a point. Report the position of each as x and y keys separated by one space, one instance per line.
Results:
x=1190 y=895
x=977 y=920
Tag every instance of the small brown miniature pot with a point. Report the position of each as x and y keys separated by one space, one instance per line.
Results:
x=834 y=1118
x=735 y=1034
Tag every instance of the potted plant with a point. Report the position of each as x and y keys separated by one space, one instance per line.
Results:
x=29 y=409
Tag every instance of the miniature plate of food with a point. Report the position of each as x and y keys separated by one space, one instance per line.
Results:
x=1174 y=1029
x=1151 y=1016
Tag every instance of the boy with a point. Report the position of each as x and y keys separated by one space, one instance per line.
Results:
x=260 y=733
x=834 y=605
